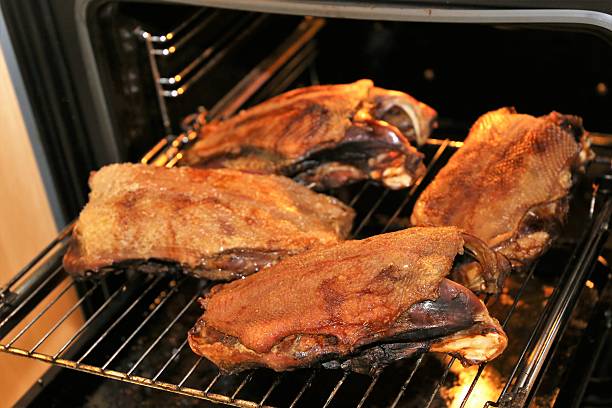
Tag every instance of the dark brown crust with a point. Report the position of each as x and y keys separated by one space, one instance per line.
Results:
x=343 y=299
x=214 y=223
x=509 y=165
x=309 y=125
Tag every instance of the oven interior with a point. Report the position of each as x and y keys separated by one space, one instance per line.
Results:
x=168 y=68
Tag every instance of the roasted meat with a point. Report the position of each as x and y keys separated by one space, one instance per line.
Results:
x=217 y=224
x=357 y=304
x=323 y=136
x=509 y=183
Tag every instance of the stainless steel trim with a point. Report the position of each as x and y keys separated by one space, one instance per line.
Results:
x=396 y=12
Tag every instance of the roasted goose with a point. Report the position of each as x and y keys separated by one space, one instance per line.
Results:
x=218 y=224
x=358 y=304
x=323 y=136
x=509 y=183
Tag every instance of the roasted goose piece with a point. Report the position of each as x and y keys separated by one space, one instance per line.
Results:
x=358 y=304
x=509 y=184
x=323 y=136
x=217 y=224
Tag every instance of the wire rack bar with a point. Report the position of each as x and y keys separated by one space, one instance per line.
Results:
x=246 y=379
x=364 y=222
x=417 y=183
x=163 y=333
x=212 y=383
x=65 y=316
x=174 y=33
x=191 y=370
x=402 y=390
x=357 y=196
x=120 y=318
x=288 y=74
x=335 y=390
x=370 y=213
x=88 y=322
x=369 y=390
x=178 y=43
x=31 y=295
x=179 y=77
x=306 y=385
x=517 y=297
x=170 y=359
x=277 y=381
x=48 y=306
x=557 y=313
x=230 y=103
x=481 y=368
x=60 y=237
x=439 y=383
x=143 y=323
x=212 y=62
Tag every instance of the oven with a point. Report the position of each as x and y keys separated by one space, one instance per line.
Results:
x=112 y=81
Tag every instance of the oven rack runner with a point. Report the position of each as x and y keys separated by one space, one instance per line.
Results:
x=184 y=373
x=291 y=56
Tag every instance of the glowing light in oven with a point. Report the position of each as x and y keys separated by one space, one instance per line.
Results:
x=487 y=388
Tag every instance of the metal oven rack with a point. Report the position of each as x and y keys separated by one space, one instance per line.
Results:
x=165 y=306
x=140 y=302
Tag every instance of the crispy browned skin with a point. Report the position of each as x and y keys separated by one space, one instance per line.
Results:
x=339 y=303
x=324 y=136
x=508 y=185
x=218 y=224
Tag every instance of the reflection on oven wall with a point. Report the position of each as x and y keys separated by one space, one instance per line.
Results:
x=28 y=222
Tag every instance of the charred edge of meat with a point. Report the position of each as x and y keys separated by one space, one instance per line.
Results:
x=538 y=228
x=353 y=161
x=333 y=167
x=139 y=265
x=487 y=273
x=456 y=311
x=225 y=266
x=237 y=263
x=374 y=359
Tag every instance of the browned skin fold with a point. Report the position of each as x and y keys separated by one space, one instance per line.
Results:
x=508 y=185
x=219 y=224
x=324 y=136
x=335 y=303
x=489 y=271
